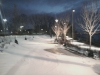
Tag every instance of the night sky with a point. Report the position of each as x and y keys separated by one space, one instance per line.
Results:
x=39 y=6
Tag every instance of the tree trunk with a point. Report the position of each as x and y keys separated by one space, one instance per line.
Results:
x=90 y=41
x=56 y=36
x=64 y=37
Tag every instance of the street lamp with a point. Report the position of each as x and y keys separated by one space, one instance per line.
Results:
x=21 y=27
x=5 y=20
x=41 y=29
x=56 y=20
x=72 y=24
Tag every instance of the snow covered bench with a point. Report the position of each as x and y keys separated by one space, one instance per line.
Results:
x=84 y=51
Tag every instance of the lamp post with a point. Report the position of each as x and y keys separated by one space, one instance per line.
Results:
x=4 y=20
x=56 y=20
x=42 y=31
x=21 y=27
x=72 y=24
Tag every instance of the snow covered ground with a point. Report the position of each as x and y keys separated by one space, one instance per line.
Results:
x=82 y=45
x=30 y=58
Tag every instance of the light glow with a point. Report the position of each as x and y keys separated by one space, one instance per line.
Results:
x=73 y=10
x=41 y=29
x=5 y=20
x=55 y=26
x=21 y=26
x=56 y=20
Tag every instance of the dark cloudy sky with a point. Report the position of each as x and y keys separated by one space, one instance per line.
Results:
x=40 y=6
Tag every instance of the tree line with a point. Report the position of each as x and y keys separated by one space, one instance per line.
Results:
x=35 y=22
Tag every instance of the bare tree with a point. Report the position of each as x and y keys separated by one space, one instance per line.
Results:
x=57 y=29
x=42 y=21
x=34 y=20
x=65 y=27
x=90 y=19
x=15 y=20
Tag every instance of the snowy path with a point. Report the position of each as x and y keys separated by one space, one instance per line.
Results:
x=30 y=58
